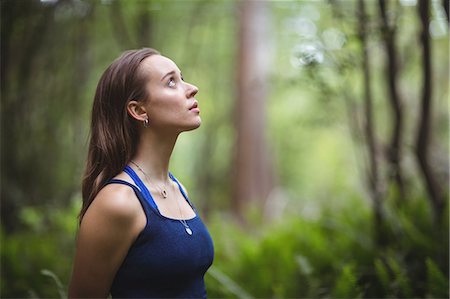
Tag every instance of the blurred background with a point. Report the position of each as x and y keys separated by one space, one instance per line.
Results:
x=322 y=164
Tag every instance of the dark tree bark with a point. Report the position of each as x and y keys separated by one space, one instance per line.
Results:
x=372 y=172
x=394 y=150
x=120 y=30
x=142 y=36
x=253 y=178
x=446 y=5
x=18 y=54
x=144 y=25
x=423 y=131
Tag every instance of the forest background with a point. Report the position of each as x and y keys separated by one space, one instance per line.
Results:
x=322 y=164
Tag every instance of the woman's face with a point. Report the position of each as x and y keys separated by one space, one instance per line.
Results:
x=171 y=105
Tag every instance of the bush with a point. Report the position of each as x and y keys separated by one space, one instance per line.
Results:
x=334 y=256
x=34 y=259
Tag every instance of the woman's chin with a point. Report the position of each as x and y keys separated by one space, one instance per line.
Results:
x=198 y=124
x=193 y=126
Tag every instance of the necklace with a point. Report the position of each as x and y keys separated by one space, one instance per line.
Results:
x=164 y=194
x=183 y=221
x=161 y=190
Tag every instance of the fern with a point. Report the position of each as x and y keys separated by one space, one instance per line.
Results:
x=228 y=283
x=59 y=285
x=347 y=284
x=382 y=274
x=401 y=284
x=437 y=283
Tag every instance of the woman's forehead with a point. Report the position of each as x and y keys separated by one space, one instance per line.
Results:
x=158 y=66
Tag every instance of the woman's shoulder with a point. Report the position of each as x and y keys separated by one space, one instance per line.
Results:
x=116 y=202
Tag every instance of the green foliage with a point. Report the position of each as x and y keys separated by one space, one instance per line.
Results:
x=346 y=283
x=23 y=257
x=382 y=275
x=400 y=282
x=437 y=282
x=37 y=261
x=328 y=257
x=228 y=284
x=59 y=285
x=322 y=245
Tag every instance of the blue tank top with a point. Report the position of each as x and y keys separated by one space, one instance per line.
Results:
x=164 y=261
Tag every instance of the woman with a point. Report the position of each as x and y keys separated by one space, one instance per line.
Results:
x=139 y=235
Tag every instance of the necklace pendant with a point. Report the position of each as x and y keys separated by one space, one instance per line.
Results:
x=189 y=231
x=164 y=193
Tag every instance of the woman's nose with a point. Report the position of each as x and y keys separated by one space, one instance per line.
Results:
x=191 y=90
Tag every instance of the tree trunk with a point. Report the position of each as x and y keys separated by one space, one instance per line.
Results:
x=144 y=25
x=394 y=150
x=253 y=178
x=372 y=172
x=18 y=54
x=446 y=4
x=120 y=30
x=423 y=131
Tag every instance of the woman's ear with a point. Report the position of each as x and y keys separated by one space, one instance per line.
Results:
x=137 y=111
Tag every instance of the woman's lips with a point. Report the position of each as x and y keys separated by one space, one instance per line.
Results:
x=194 y=107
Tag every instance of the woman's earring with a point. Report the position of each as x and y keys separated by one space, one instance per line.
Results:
x=146 y=123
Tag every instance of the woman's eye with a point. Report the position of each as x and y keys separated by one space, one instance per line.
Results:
x=171 y=82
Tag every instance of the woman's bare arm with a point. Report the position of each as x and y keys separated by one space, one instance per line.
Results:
x=107 y=231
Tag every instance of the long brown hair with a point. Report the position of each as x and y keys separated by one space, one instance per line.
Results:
x=114 y=135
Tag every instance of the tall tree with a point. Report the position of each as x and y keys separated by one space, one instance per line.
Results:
x=423 y=131
x=253 y=178
x=120 y=29
x=19 y=51
x=446 y=4
x=394 y=153
x=46 y=74
x=372 y=172
x=144 y=25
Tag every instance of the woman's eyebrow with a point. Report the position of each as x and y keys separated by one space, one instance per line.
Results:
x=169 y=73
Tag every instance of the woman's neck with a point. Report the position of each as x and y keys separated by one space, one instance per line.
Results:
x=153 y=154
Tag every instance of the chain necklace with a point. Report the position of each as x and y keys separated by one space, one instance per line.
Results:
x=161 y=190
x=183 y=221
x=164 y=195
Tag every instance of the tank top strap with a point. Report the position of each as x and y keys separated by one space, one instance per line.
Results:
x=182 y=191
x=128 y=170
x=144 y=203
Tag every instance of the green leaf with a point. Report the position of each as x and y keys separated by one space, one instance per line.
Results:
x=437 y=283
